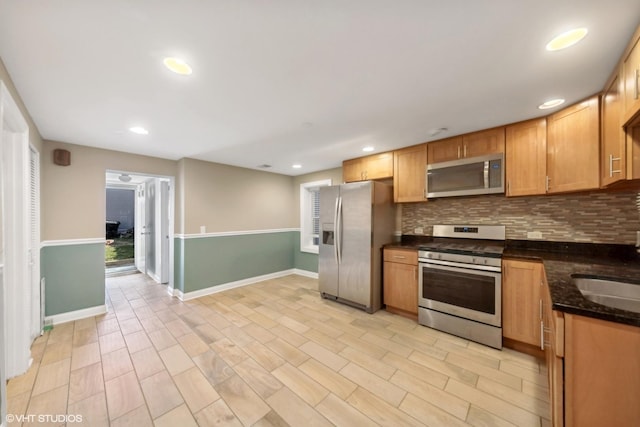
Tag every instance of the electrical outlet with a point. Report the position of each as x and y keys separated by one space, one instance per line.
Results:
x=418 y=230
x=203 y=229
x=534 y=235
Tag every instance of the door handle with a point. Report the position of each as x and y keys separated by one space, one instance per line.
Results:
x=335 y=230
x=339 y=230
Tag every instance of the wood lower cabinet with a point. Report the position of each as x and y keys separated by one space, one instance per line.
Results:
x=521 y=301
x=573 y=148
x=602 y=373
x=409 y=174
x=377 y=166
x=553 y=341
x=526 y=158
x=400 y=287
x=593 y=367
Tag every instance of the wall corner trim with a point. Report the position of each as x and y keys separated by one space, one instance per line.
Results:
x=234 y=233
x=239 y=283
x=71 y=316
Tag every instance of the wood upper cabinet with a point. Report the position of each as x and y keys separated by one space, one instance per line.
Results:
x=484 y=142
x=409 y=174
x=633 y=151
x=377 y=166
x=445 y=150
x=526 y=158
x=573 y=160
x=613 y=155
x=521 y=301
x=400 y=287
x=470 y=145
x=631 y=78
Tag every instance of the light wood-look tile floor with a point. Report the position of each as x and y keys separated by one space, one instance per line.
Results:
x=269 y=354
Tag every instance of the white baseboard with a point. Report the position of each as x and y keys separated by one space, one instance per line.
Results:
x=305 y=273
x=239 y=283
x=70 y=316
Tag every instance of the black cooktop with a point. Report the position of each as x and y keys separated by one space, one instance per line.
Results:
x=486 y=248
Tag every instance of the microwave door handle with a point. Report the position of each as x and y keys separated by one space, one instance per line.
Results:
x=486 y=174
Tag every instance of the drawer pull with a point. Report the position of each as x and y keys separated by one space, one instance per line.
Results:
x=399 y=257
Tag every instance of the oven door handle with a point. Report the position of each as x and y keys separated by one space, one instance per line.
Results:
x=475 y=267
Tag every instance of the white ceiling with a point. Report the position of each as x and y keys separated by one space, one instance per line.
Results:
x=298 y=81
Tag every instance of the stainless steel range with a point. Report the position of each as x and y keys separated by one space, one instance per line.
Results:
x=460 y=282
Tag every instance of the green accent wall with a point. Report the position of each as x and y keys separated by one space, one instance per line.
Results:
x=216 y=260
x=304 y=260
x=74 y=277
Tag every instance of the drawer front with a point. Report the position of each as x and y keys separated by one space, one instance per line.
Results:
x=403 y=256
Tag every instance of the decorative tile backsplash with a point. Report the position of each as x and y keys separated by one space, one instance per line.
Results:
x=586 y=217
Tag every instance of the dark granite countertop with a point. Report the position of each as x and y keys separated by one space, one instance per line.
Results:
x=562 y=260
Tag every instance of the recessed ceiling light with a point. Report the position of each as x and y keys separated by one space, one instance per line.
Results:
x=178 y=66
x=368 y=149
x=139 y=130
x=296 y=166
x=551 y=103
x=566 y=39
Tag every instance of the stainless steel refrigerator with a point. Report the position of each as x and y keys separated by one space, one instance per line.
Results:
x=356 y=220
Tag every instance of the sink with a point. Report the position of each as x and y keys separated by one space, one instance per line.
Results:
x=610 y=292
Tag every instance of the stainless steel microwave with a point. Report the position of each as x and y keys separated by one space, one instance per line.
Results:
x=466 y=177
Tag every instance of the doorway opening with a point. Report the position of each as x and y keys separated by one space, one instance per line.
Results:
x=120 y=250
x=139 y=225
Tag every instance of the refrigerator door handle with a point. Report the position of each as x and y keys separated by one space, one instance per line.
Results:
x=338 y=224
x=335 y=229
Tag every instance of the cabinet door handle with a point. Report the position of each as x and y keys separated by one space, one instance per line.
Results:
x=547 y=184
x=541 y=310
x=458 y=151
x=611 y=160
x=636 y=79
x=465 y=150
x=542 y=335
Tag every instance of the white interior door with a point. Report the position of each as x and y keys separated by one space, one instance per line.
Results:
x=150 y=228
x=163 y=234
x=139 y=239
x=3 y=380
x=37 y=298
x=18 y=294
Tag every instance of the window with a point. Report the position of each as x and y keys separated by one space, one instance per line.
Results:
x=310 y=215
